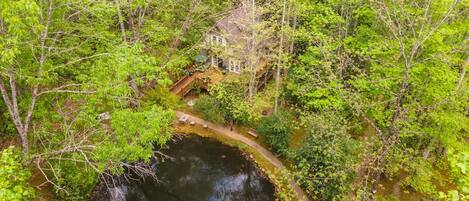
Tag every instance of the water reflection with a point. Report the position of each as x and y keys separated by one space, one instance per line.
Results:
x=203 y=170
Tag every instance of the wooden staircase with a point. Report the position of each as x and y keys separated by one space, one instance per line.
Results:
x=264 y=78
x=184 y=85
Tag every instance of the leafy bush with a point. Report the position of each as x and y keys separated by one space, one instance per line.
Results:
x=163 y=97
x=14 y=177
x=208 y=107
x=226 y=103
x=230 y=98
x=459 y=165
x=276 y=129
x=77 y=179
x=327 y=155
x=423 y=176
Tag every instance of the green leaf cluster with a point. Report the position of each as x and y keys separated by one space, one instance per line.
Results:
x=276 y=129
x=14 y=177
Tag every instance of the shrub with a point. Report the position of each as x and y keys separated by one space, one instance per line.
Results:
x=327 y=154
x=14 y=177
x=276 y=129
x=230 y=99
x=226 y=103
x=77 y=179
x=210 y=110
x=163 y=97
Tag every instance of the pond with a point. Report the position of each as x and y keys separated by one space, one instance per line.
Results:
x=202 y=169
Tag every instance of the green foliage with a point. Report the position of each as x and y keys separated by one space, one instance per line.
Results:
x=128 y=137
x=78 y=180
x=17 y=19
x=459 y=170
x=350 y=59
x=423 y=179
x=347 y=60
x=6 y=127
x=14 y=177
x=226 y=103
x=452 y=195
x=325 y=160
x=313 y=98
x=387 y=198
x=163 y=97
x=71 y=56
x=276 y=129
x=282 y=179
x=110 y=74
x=230 y=99
x=208 y=106
x=135 y=134
x=309 y=85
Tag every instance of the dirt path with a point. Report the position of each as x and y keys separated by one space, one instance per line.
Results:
x=236 y=136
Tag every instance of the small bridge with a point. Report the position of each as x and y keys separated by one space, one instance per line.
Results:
x=184 y=85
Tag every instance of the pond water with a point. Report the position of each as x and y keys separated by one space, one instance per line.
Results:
x=202 y=169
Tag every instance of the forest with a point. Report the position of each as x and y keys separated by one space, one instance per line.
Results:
x=358 y=99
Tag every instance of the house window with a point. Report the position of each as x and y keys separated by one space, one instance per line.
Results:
x=234 y=66
x=214 y=61
x=215 y=40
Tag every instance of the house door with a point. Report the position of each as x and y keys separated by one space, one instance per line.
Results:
x=220 y=63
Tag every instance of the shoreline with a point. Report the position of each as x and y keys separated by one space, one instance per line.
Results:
x=266 y=161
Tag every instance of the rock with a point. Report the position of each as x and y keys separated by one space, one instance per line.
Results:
x=192 y=123
x=190 y=103
x=183 y=119
x=104 y=116
x=205 y=126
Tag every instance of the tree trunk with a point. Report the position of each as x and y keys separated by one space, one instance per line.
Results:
x=292 y=43
x=121 y=22
x=465 y=65
x=184 y=28
x=12 y=106
x=252 y=49
x=279 y=61
x=140 y=14
x=131 y=21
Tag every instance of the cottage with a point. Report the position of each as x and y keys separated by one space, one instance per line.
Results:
x=227 y=46
x=231 y=47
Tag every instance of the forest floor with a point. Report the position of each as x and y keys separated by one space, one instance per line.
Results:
x=222 y=130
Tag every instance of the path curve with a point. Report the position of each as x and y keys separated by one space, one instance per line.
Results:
x=236 y=136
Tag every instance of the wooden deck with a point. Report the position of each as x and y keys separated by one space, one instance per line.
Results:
x=202 y=80
x=184 y=85
x=211 y=76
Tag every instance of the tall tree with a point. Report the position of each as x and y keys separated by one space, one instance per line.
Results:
x=69 y=70
x=280 y=51
x=382 y=62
